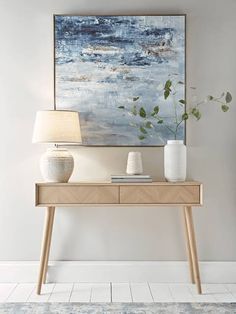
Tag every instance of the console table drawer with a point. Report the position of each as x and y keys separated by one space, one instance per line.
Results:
x=160 y=194
x=70 y=194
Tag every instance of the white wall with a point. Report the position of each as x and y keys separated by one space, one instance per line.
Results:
x=26 y=85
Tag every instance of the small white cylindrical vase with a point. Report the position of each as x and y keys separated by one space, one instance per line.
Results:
x=134 y=163
x=56 y=165
x=175 y=161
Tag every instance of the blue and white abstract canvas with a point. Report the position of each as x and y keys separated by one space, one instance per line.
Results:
x=103 y=62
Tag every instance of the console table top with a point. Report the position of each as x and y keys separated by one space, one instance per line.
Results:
x=118 y=183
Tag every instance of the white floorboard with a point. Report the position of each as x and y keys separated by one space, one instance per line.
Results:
x=45 y=293
x=231 y=287
x=204 y=297
x=181 y=293
x=21 y=293
x=81 y=292
x=118 y=292
x=219 y=292
x=61 y=292
x=121 y=292
x=5 y=290
x=101 y=292
x=141 y=292
x=161 y=292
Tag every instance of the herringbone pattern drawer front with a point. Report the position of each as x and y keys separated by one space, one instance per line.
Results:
x=155 y=193
x=162 y=194
x=78 y=194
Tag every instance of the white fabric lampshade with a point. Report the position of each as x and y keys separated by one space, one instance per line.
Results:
x=57 y=126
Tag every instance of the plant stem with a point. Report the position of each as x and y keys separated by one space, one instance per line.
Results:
x=200 y=103
x=219 y=101
x=176 y=129
x=170 y=129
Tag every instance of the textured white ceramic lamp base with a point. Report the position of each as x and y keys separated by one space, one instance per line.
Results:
x=56 y=165
x=175 y=161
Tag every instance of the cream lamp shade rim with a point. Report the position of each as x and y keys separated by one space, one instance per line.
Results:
x=57 y=110
x=57 y=126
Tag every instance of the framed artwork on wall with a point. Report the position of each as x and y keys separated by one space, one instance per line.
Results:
x=105 y=63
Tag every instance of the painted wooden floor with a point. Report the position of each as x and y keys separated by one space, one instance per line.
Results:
x=117 y=292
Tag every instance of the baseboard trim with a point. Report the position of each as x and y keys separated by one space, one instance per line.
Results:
x=117 y=271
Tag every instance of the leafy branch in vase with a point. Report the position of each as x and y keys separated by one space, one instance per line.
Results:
x=146 y=120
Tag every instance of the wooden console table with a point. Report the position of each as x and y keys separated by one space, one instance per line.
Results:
x=184 y=195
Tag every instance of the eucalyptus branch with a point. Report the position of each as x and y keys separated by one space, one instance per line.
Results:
x=150 y=121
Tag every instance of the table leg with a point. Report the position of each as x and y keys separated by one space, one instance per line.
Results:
x=45 y=243
x=188 y=248
x=48 y=244
x=193 y=248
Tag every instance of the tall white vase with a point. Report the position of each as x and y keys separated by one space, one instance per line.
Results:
x=175 y=161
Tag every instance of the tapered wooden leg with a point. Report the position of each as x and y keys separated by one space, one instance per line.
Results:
x=44 y=248
x=193 y=248
x=45 y=269
x=188 y=248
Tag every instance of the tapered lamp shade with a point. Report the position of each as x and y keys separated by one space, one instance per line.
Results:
x=57 y=126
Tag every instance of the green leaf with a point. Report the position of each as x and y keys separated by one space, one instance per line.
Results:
x=168 y=84
x=228 y=97
x=182 y=101
x=167 y=89
x=134 y=110
x=156 y=109
x=185 y=116
x=166 y=93
x=160 y=121
x=209 y=98
x=224 y=108
x=196 y=113
x=141 y=137
x=143 y=130
x=142 y=112
x=135 y=98
x=121 y=107
x=148 y=125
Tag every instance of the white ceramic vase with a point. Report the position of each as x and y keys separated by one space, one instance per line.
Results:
x=56 y=165
x=175 y=161
x=134 y=163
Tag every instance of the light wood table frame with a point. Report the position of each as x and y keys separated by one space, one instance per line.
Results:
x=183 y=194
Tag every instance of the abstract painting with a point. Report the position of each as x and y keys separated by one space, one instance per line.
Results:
x=105 y=62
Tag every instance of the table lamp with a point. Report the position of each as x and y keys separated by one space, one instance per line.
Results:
x=57 y=127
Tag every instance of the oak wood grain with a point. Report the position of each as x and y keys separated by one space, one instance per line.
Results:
x=169 y=194
x=122 y=194
x=77 y=194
